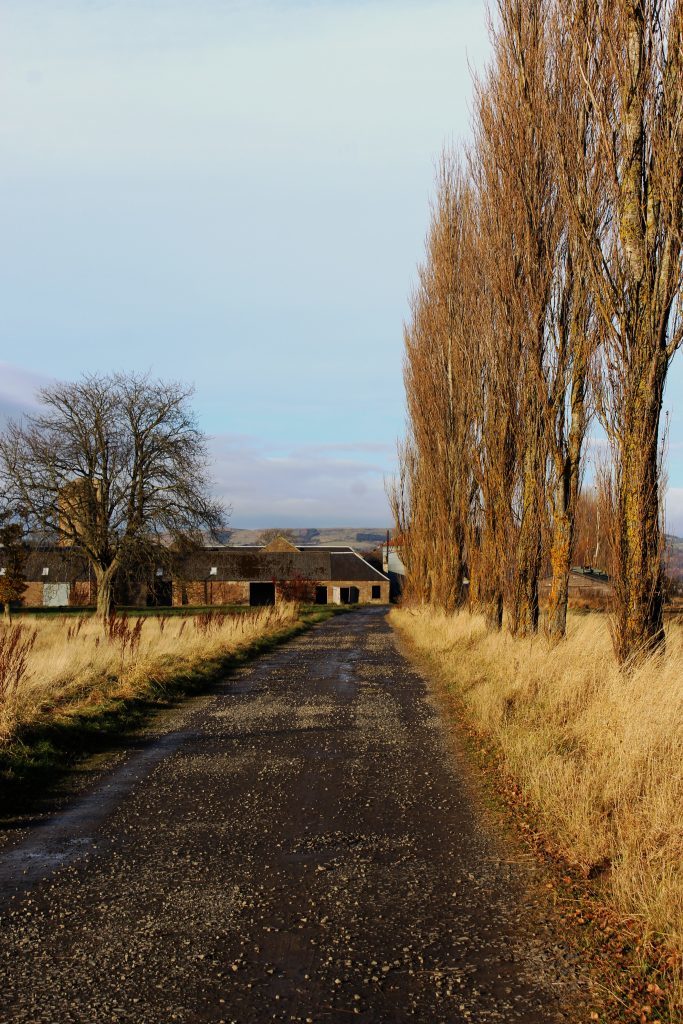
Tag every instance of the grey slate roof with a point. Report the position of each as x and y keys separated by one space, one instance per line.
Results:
x=64 y=565
x=235 y=564
x=256 y=565
x=353 y=567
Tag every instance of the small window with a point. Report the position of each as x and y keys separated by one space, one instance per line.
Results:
x=376 y=592
x=213 y=571
x=46 y=571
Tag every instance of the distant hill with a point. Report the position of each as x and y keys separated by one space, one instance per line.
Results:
x=364 y=538
x=674 y=557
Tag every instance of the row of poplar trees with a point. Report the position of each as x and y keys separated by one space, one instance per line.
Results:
x=550 y=293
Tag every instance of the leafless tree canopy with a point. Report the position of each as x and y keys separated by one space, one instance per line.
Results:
x=111 y=464
x=550 y=292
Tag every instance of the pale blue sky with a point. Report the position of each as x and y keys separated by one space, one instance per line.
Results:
x=236 y=194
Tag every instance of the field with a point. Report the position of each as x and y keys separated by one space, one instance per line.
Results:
x=363 y=538
x=56 y=668
x=597 y=754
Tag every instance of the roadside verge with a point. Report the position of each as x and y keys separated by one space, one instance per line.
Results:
x=585 y=763
x=85 y=693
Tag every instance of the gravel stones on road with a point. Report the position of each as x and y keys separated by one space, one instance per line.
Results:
x=306 y=849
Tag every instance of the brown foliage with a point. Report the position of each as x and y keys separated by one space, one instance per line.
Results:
x=16 y=644
x=432 y=497
x=121 y=634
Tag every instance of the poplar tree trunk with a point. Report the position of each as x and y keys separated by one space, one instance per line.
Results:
x=455 y=595
x=639 y=585
x=566 y=500
x=639 y=592
x=7 y=612
x=560 y=554
x=493 y=610
x=523 y=619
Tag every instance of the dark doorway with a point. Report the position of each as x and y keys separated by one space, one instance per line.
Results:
x=261 y=593
x=321 y=595
x=348 y=595
x=160 y=594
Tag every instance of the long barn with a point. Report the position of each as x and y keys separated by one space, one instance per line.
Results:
x=60 y=577
x=264 y=575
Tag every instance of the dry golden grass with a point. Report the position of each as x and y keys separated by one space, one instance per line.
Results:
x=74 y=664
x=598 y=753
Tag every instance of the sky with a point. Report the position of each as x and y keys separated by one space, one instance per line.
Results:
x=235 y=193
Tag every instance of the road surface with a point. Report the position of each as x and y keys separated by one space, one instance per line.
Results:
x=302 y=845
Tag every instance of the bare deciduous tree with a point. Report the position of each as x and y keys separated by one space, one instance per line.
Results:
x=567 y=274
x=520 y=205
x=110 y=465
x=627 y=61
x=432 y=503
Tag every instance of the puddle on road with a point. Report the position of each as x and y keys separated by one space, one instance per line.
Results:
x=71 y=835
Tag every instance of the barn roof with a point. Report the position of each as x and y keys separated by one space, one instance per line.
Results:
x=256 y=564
x=64 y=565
x=260 y=565
x=353 y=567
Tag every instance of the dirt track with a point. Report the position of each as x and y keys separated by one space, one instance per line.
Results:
x=302 y=847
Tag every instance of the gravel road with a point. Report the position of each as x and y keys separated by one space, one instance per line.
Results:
x=302 y=845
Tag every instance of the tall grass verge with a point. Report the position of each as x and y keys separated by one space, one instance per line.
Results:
x=70 y=688
x=598 y=753
x=61 y=667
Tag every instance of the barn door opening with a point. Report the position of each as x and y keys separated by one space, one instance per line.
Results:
x=348 y=595
x=261 y=593
x=321 y=595
x=56 y=595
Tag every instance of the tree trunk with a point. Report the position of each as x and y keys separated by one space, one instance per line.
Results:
x=560 y=560
x=7 y=612
x=639 y=625
x=523 y=618
x=493 y=611
x=456 y=572
x=566 y=500
x=105 y=593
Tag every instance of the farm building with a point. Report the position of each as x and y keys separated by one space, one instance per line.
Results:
x=60 y=576
x=588 y=587
x=262 y=575
x=394 y=568
x=56 y=577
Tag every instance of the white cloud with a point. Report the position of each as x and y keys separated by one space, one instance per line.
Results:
x=310 y=486
x=18 y=389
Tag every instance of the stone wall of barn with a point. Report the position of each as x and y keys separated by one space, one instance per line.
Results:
x=83 y=593
x=218 y=592
x=33 y=595
x=207 y=592
x=364 y=590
